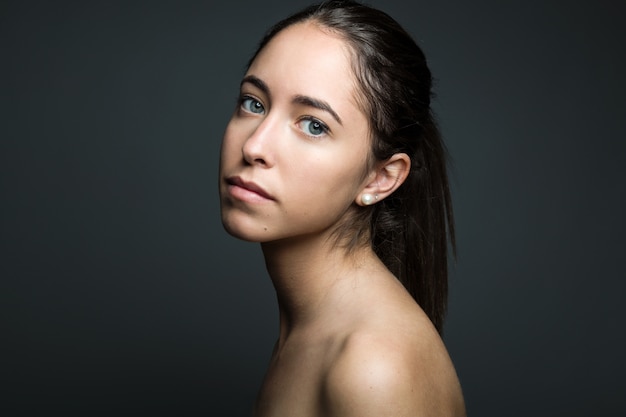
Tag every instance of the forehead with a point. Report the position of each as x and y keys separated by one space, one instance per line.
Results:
x=306 y=59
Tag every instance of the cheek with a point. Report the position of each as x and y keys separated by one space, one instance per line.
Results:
x=326 y=186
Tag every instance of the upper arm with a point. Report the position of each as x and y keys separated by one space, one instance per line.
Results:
x=371 y=380
x=377 y=378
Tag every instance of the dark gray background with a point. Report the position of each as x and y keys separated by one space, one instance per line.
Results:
x=122 y=295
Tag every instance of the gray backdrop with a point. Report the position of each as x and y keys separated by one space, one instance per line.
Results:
x=122 y=295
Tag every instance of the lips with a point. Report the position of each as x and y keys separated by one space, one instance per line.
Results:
x=248 y=187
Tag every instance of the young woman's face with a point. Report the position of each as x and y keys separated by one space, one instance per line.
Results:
x=294 y=154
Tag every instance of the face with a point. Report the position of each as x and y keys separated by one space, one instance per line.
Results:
x=295 y=151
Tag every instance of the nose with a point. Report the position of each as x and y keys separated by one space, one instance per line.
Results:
x=258 y=148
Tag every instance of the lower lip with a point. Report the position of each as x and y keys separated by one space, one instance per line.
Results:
x=244 y=194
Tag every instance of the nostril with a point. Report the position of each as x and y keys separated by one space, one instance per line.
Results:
x=254 y=154
x=252 y=159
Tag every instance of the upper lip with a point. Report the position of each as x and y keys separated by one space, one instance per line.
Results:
x=248 y=185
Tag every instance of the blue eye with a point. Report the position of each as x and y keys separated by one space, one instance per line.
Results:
x=313 y=127
x=252 y=105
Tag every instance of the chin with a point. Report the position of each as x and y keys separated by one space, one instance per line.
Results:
x=236 y=233
x=247 y=232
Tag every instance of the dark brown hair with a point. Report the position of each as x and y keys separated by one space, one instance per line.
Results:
x=409 y=229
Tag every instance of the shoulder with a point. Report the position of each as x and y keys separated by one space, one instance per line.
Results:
x=375 y=375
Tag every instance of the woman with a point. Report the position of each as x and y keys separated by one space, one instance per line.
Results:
x=333 y=162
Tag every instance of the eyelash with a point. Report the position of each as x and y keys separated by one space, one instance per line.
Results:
x=242 y=99
x=325 y=129
x=323 y=126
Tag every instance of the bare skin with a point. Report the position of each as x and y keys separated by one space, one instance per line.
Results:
x=355 y=344
x=352 y=341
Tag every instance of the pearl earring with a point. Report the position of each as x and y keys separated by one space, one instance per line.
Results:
x=368 y=199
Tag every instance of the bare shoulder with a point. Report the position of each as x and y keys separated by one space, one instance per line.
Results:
x=377 y=374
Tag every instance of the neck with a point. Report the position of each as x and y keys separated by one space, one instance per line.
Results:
x=308 y=275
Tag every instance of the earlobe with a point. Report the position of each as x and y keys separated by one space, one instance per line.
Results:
x=385 y=179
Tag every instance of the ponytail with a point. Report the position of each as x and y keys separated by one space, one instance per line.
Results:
x=410 y=229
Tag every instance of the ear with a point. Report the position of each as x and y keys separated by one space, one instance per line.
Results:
x=384 y=179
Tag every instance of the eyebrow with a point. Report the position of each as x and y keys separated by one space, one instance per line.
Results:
x=257 y=82
x=318 y=104
x=298 y=99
